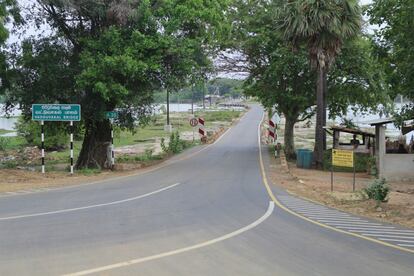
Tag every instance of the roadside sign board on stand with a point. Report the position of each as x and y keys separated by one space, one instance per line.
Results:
x=193 y=123
x=56 y=113
x=111 y=116
x=343 y=158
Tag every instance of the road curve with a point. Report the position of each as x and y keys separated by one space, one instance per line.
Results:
x=207 y=214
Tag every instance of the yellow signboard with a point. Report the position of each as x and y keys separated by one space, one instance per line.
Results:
x=342 y=158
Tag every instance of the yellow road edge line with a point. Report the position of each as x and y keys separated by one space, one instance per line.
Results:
x=280 y=205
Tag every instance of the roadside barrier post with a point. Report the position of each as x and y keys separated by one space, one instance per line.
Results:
x=71 y=147
x=201 y=129
x=42 y=126
x=112 y=148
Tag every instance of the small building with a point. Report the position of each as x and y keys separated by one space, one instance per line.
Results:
x=393 y=164
x=361 y=142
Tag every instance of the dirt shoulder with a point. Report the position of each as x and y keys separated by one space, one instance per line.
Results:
x=316 y=186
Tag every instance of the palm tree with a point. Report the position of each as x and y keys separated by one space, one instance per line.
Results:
x=323 y=26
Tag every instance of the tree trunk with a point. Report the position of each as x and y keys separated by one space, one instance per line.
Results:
x=289 y=137
x=325 y=94
x=95 y=146
x=319 y=133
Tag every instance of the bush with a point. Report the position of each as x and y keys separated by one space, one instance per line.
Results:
x=4 y=142
x=378 y=190
x=176 y=145
x=11 y=164
x=56 y=136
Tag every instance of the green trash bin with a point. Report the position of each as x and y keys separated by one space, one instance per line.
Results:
x=307 y=159
x=299 y=157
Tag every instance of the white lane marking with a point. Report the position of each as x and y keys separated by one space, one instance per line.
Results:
x=389 y=236
x=406 y=245
x=354 y=224
x=385 y=231
x=318 y=213
x=331 y=216
x=90 y=206
x=379 y=228
x=309 y=208
x=181 y=250
x=386 y=239
x=341 y=220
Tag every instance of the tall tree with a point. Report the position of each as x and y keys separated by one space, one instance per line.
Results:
x=394 y=40
x=9 y=11
x=322 y=25
x=117 y=53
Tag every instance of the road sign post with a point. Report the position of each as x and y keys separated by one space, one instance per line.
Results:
x=56 y=113
x=343 y=158
x=111 y=116
x=193 y=123
x=71 y=147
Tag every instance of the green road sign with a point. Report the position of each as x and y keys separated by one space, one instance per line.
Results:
x=111 y=115
x=56 y=112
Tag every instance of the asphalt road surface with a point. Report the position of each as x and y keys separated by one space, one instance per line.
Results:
x=203 y=213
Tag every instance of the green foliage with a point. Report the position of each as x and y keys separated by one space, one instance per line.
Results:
x=322 y=25
x=4 y=143
x=12 y=164
x=378 y=190
x=175 y=145
x=218 y=116
x=88 y=172
x=113 y=55
x=56 y=136
x=394 y=42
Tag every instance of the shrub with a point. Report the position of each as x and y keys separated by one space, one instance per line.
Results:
x=176 y=145
x=56 y=134
x=4 y=142
x=378 y=190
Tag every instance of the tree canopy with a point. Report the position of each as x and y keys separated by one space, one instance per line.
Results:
x=394 y=43
x=113 y=55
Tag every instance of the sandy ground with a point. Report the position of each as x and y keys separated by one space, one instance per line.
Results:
x=316 y=185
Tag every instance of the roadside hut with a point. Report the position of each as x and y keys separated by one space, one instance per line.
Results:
x=361 y=141
x=395 y=159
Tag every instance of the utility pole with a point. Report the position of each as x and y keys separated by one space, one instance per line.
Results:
x=168 y=126
x=204 y=94
x=192 y=99
x=168 y=107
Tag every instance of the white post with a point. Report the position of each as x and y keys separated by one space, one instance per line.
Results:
x=71 y=147
x=112 y=148
x=42 y=123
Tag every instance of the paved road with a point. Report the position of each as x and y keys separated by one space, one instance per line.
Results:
x=209 y=214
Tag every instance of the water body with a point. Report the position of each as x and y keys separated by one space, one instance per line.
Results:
x=359 y=118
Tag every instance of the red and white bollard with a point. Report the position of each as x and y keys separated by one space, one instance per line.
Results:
x=201 y=129
x=272 y=131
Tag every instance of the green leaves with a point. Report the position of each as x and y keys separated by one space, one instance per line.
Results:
x=394 y=43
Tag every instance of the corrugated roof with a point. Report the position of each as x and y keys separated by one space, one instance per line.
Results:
x=352 y=130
